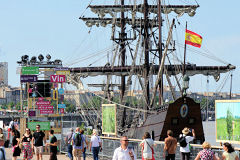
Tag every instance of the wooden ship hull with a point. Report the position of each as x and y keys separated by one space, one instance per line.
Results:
x=184 y=112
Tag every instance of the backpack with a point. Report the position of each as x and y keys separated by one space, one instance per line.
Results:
x=6 y=143
x=182 y=141
x=78 y=140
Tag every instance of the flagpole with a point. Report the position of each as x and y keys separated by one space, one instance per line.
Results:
x=184 y=60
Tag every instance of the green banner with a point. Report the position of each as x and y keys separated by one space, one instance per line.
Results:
x=109 y=119
x=43 y=125
x=30 y=70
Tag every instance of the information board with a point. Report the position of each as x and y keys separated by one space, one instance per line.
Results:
x=43 y=125
x=30 y=70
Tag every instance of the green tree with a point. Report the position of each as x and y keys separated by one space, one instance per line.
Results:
x=4 y=106
x=54 y=103
x=229 y=120
x=82 y=127
x=11 y=105
x=70 y=108
x=18 y=106
x=95 y=102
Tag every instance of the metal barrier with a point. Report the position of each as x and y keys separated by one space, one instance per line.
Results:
x=109 y=144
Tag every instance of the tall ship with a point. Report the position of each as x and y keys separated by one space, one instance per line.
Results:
x=145 y=56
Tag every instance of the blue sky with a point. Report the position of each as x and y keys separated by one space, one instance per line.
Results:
x=52 y=27
x=223 y=107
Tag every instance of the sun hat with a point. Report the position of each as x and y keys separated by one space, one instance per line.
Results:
x=185 y=131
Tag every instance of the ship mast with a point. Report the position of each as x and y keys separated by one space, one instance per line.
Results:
x=146 y=56
x=123 y=56
x=160 y=51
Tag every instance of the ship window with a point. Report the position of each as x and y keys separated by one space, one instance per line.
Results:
x=175 y=121
x=191 y=121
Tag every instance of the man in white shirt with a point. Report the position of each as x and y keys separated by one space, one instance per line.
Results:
x=185 y=151
x=123 y=152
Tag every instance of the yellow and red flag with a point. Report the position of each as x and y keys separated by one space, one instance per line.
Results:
x=193 y=39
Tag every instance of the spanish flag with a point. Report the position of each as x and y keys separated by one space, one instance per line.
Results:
x=193 y=39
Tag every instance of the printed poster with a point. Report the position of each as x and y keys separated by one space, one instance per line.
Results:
x=109 y=119
x=227 y=120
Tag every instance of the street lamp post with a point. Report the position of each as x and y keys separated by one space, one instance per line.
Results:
x=185 y=84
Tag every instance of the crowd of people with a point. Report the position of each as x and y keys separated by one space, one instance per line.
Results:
x=77 y=143
x=28 y=143
x=188 y=135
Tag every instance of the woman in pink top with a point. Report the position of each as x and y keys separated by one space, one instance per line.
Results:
x=206 y=153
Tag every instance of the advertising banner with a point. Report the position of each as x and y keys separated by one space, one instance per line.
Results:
x=43 y=125
x=62 y=110
x=46 y=111
x=63 y=73
x=227 y=121
x=31 y=113
x=61 y=91
x=30 y=70
x=61 y=69
x=55 y=94
x=109 y=119
x=61 y=105
x=58 y=78
x=28 y=78
x=45 y=107
x=43 y=103
x=41 y=99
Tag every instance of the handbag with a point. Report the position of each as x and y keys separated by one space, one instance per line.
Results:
x=6 y=143
x=20 y=145
x=152 y=151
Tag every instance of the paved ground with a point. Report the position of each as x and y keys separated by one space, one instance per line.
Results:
x=45 y=157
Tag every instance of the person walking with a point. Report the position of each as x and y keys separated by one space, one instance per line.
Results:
x=68 y=141
x=27 y=147
x=229 y=153
x=77 y=142
x=11 y=125
x=15 y=144
x=184 y=140
x=53 y=145
x=2 y=149
x=147 y=147
x=206 y=153
x=95 y=144
x=85 y=143
x=16 y=124
x=37 y=141
x=10 y=128
x=170 y=146
x=124 y=152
